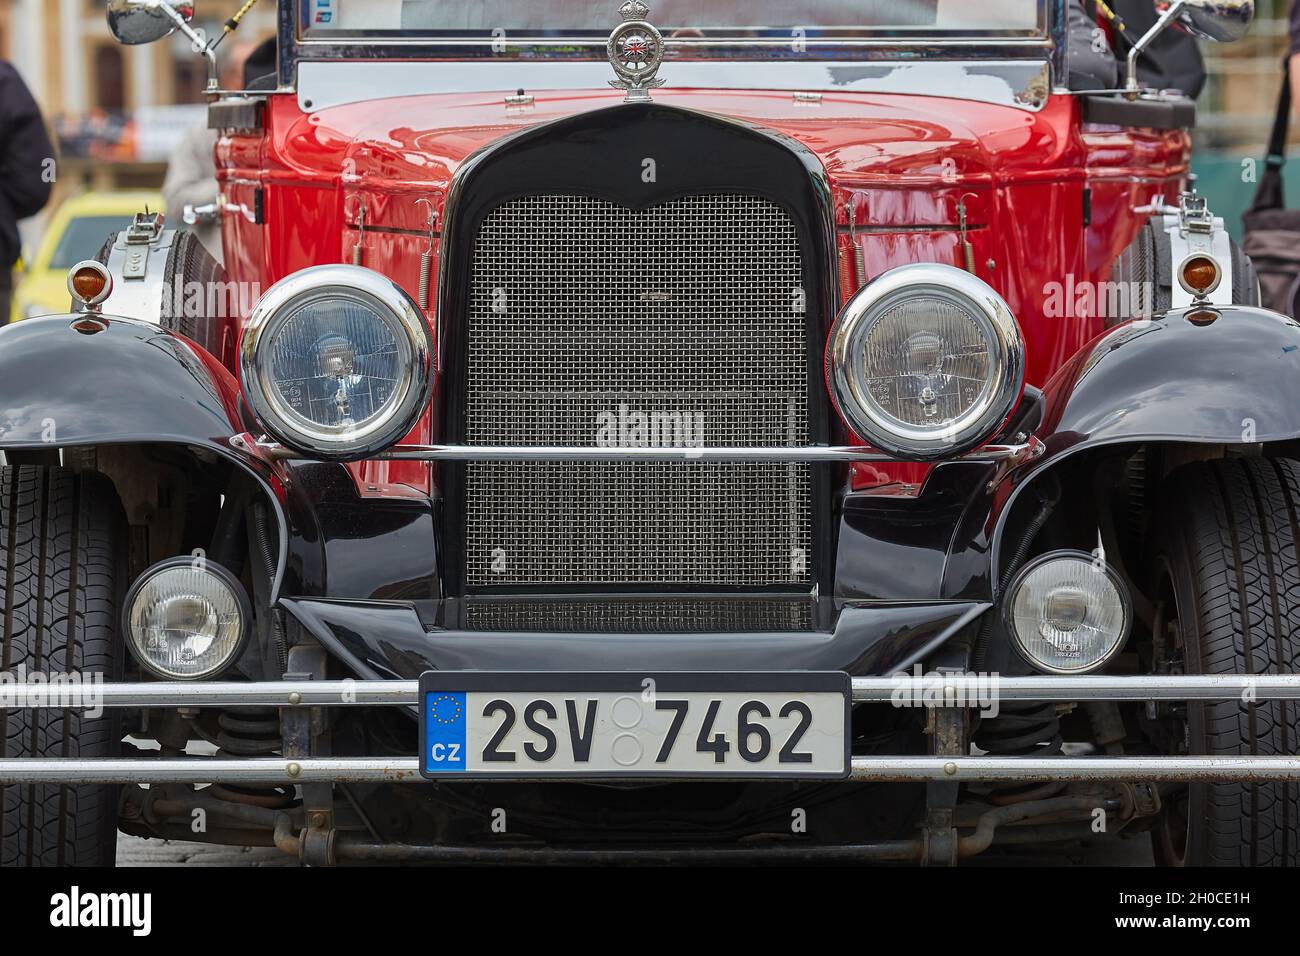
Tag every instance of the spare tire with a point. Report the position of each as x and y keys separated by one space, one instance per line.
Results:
x=190 y=268
x=1146 y=266
x=191 y=271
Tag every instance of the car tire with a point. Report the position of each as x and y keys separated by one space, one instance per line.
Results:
x=1227 y=587
x=1146 y=265
x=62 y=574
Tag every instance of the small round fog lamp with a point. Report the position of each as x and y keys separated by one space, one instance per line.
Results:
x=186 y=618
x=1067 y=612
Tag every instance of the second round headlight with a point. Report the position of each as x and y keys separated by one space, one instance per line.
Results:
x=186 y=620
x=1067 y=612
x=925 y=361
x=336 y=362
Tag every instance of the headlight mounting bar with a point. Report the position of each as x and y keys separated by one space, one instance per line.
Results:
x=1005 y=456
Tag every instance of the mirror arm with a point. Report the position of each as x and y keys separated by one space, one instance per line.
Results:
x=199 y=44
x=1131 y=87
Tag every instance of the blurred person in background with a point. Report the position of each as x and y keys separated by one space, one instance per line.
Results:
x=191 y=174
x=26 y=171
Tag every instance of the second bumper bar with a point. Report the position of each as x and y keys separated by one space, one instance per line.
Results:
x=277 y=770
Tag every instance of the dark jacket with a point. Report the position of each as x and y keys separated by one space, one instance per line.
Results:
x=26 y=161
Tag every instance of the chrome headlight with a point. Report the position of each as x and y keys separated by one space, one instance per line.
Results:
x=186 y=620
x=1067 y=612
x=925 y=361
x=336 y=362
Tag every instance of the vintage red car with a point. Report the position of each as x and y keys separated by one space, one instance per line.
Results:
x=663 y=437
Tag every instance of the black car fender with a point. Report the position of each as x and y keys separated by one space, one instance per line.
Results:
x=69 y=381
x=1213 y=375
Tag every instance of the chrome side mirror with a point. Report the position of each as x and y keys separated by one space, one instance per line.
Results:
x=1221 y=20
x=144 y=21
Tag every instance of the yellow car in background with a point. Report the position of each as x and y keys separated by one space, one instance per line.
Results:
x=76 y=231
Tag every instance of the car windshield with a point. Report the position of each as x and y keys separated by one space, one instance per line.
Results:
x=681 y=19
x=83 y=238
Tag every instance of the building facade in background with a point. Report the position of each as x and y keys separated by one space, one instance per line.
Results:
x=117 y=111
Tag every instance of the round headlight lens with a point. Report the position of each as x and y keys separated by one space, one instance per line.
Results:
x=1067 y=612
x=926 y=361
x=336 y=362
x=186 y=621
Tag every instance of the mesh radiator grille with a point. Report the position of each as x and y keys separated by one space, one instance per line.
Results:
x=681 y=324
x=677 y=615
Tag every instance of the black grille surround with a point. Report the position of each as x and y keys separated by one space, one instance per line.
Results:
x=595 y=165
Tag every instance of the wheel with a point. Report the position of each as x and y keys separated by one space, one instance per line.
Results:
x=62 y=574
x=1146 y=267
x=1227 y=592
x=192 y=275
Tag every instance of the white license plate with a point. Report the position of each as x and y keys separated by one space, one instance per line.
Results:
x=494 y=724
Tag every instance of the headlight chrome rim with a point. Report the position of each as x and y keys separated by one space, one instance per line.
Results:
x=1100 y=567
x=844 y=358
x=398 y=414
x=206 y=566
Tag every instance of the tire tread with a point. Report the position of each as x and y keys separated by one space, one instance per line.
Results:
x=60 y=567
x=1234 y=522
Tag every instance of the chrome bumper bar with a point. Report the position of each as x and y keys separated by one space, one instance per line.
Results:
x=278 y=770
x=930 y=690
x=905 y=690
x=1007 y=455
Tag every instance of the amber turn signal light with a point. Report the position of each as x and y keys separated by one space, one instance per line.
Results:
x=1199 y=275
x=89 y=282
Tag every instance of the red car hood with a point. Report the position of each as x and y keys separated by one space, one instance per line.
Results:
x=867 y=139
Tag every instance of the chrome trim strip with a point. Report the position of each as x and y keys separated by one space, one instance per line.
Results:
x=1022 y=84
x=989 y=453
x=901 y=688
x=677 y=48
x=278 y=770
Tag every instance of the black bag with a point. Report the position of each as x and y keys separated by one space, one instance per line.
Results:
x=1272 y=232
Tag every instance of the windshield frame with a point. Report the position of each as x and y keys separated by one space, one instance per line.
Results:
x=1044 y=42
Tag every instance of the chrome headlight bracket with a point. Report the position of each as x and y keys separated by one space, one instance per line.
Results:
x=849 y=382
x=396 y=416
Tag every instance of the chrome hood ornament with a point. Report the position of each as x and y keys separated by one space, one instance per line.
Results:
x=635 y=51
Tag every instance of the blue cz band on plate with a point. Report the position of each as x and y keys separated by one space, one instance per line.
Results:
x=444 y=720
